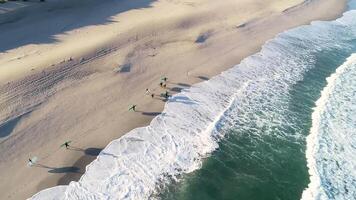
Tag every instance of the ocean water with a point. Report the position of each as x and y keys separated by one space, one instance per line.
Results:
x=243 y=134
x=262 y=155
x=331 y=143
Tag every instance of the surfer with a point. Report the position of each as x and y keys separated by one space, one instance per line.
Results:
x=133 y=108
x=32 y=161
x=148 y=92
x=164 y=79
x=66 y=144
x=166 y=94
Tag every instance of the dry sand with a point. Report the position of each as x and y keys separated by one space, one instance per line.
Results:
x=70 y=69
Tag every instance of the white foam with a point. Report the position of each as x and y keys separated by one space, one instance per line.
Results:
x=321 y=116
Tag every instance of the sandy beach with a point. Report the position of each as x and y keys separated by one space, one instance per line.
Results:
x=70 y=70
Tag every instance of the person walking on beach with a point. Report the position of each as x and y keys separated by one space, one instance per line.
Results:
x=166 y=94
x=133 y=108
x=66 y=144
x=164 y=79
x=32 y=161
x=163 y=84
x=148 y=92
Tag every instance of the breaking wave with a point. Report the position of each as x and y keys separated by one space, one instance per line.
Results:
x=331 y=149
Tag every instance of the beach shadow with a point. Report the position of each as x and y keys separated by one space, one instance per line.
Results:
x=62 y=170
x=203 y=37
x=182 y=99
x=81 y=163
x=158 y=97
x=88 y=151
x=184 y=85
x=42 y=23
x=92 y=151
x=176 y=89
x=151 y=113
x=59 y=170
x=124 y=68
x=7 y=128
x=69 y=176
x=204 y=78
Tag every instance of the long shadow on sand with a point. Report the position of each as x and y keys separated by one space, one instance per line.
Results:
x=59 y=170
x=204 y=78
x=41 y=25
x=90 y=154
x=184 y=84
x=151 y=113
x=89 y=151
x=69 y=176
x=74 y=172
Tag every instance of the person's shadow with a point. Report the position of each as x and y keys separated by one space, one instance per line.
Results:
x=59 y=170
x=87 y=151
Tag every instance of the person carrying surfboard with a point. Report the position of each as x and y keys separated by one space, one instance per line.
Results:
x=133 y=108
x=66 y=144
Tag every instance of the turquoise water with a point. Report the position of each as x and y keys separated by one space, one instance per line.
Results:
x=262 y=156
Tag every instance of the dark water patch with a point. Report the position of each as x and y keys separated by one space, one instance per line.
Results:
x=307 y=91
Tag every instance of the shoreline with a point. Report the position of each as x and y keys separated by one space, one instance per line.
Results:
x=187 y=76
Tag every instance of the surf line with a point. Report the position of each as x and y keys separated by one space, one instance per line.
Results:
x=313 y=190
